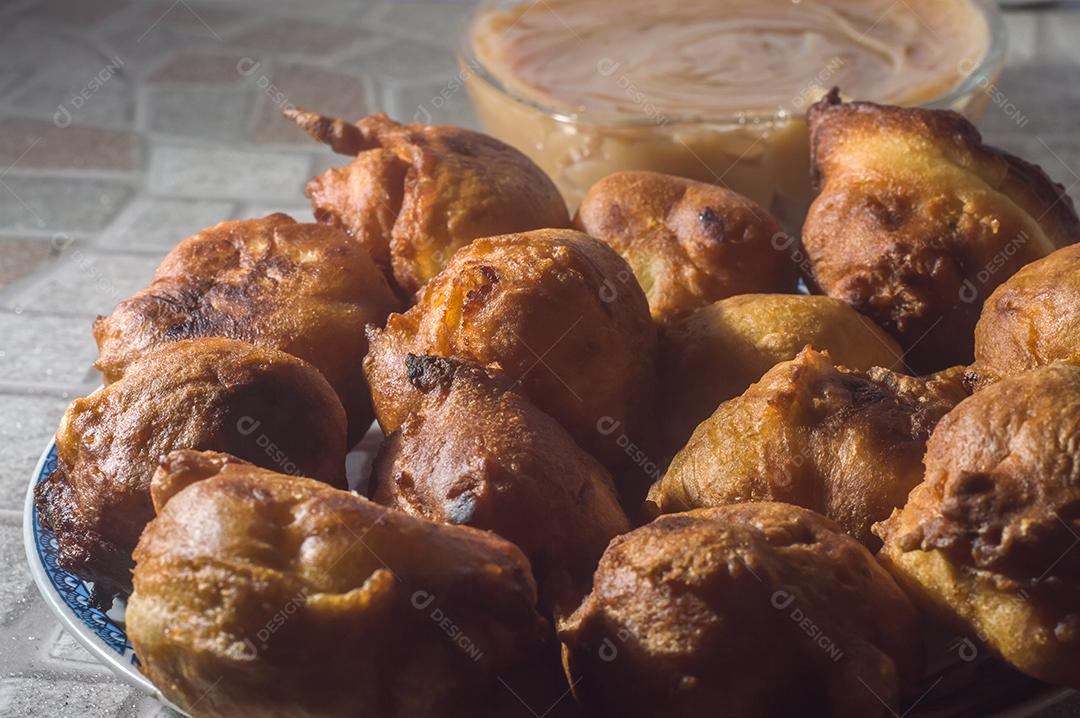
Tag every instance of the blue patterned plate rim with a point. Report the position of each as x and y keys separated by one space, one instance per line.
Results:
x=67 y=596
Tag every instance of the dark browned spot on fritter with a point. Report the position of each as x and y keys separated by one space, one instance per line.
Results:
x=891 y=212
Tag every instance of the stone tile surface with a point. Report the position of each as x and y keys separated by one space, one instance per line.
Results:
x=79 y=15
x=1025 y=30
x=199 y=18
x=20 y=257
x=40 y=697
x=52 y=73
x=143 y=45
x=74 y=101
x=436 y=22
x=66 y=649
x=332 y=93
x=86 y=283
x=1062 y=27
x=59 y=204
x=219 y=172
x=155 y=224
x=39 y=144
x=45 y=351
x=1040 y=100
x=442 y=104
x=407 y=61
x=10 y=79
x=50 y=54
x=29 y=423
x=200 y=68
x=1060 y=159
x=15 y=582
x=298 y=37
x=216 y=114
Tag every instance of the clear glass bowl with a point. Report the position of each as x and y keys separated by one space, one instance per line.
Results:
x=763 y=156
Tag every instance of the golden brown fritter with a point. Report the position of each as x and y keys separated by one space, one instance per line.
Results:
x=689 y=243
x=549 y=308
x=989 y=542
x=917 y=221
x=415 y=194
x=258 y=594
x=306 y=289
x=1031 y=320
x=717 y=352
x=211 y=393
x=479 y=453
x=845 y=443
x=758 y=609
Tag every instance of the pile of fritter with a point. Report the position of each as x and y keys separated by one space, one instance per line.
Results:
x=627 y=468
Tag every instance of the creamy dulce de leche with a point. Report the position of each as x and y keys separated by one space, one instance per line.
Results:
x=710 y=89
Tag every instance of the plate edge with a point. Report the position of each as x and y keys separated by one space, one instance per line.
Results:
x=52 y=600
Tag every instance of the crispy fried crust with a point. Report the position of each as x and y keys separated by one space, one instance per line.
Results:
x=549 y=308
x=988 y=541
x=258 y=594
x=717 y=352
x=478 y=453
x=305 y=289
x=917 y=221
x=689 y=243
x=757 y=609
x=1031 y=320
x=211 y=393
x=845 y=443
x=417 y=193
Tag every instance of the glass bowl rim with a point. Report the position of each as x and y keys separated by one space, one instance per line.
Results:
x=983 y=74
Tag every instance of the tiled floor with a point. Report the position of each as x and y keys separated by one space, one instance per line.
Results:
x=126 y=125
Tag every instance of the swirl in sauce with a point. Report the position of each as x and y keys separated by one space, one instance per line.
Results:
x=709 y=58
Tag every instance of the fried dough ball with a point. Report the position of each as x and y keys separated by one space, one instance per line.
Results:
x=1031 y=320
x=717 y=352
x=478 y=453
x=689 y=243
x=917 y=221
x=847 y=444
x=210 y=393
x=305 y=289
x=415 y=194
x=549 y=309
x=759 y=609
x=988 y=541
x=259 y=594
